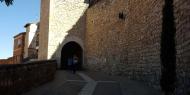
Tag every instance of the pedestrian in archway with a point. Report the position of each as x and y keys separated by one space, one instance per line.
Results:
x=74 y=65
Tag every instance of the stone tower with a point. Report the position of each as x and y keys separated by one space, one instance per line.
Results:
x=61 y=21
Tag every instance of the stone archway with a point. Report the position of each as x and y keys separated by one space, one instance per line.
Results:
x=68 y=51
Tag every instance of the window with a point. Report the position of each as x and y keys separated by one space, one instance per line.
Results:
x=15 y=43
x=19 y=42
x=37 y=40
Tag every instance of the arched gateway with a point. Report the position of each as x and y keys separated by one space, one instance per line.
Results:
x=68 y=51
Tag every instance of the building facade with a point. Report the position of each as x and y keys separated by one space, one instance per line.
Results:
x=26 y=45
x=18 y=51
x=119 y=37
x=3 y=61
x=31 y=41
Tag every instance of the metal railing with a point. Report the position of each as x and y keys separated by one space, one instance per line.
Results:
x=18 y=78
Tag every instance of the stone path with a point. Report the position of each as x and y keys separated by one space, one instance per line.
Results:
x=91 y=83
x=89 y=88
x=65 y=83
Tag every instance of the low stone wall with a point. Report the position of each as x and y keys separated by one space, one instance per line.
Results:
x=18 y=78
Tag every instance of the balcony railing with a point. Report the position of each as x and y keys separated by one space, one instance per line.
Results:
x=18 y=78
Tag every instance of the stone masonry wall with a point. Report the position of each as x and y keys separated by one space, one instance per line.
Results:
x=128 y=46
x=61 y=22
x=66 y=23
x=182 y=15
x=120 y=37
x=131 y=46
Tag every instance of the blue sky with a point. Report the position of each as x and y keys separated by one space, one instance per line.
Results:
x=12 y=21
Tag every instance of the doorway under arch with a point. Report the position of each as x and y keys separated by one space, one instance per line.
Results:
x=68 y=51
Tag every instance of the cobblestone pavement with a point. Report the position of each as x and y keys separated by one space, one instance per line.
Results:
x=91 y=83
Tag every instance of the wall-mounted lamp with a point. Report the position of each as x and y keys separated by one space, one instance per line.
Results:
x=122 y=16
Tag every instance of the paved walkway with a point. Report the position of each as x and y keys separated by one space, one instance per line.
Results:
x=91 y=83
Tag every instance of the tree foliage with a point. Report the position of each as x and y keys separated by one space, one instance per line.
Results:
x=168 y=49
x=7 y=2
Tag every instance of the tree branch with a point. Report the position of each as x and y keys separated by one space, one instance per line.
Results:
x=7 y=2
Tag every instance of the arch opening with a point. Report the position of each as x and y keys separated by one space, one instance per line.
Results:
x=70 y=50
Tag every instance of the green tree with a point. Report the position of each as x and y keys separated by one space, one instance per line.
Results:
x=7 y=2
x=168 y=49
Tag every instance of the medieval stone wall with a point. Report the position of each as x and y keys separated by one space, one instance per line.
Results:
x=182 y=19
x=120 y=37
x=130 y=46
x=65 y=22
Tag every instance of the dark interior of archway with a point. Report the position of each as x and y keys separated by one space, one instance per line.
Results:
x=68 y=51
